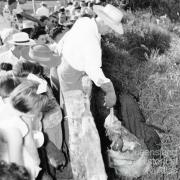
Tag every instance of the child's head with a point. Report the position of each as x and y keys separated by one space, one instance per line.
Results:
x=26 y=99
x=39 y=35
x=23 y=68
x=7 y=84
x=13 y=172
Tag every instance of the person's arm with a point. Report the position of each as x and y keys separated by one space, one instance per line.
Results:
x=29 y=143
x=110 y=98
x=31 y=18
x=15 y=145
x=93 y=55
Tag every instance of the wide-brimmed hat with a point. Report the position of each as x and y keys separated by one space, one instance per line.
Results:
x=27 y=24
x=111 y=16
x=21 y=38
x=43 y=55
x=7 y=33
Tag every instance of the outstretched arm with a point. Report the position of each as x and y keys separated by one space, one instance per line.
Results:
x=31 y=18
x=15 y=144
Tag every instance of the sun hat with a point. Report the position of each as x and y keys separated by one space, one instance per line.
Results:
x=21 y=38
x=7 y=33
x=111 y=16
x=27 y=24
x=43 y=55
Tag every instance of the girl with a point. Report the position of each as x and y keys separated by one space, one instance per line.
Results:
x=17 y=124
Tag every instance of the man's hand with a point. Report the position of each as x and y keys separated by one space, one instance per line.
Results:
x=110 y=99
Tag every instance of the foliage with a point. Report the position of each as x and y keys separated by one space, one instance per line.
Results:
x=145 y=61
x=158 y=7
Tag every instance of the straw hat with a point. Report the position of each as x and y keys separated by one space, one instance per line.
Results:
x=27 y=24
x=21 y=38
x=43 y=55
x=7 y=33
x=111 y=16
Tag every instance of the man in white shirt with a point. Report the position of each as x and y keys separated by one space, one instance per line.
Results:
x=81 y=52
x=19 y=41
x=43 y=10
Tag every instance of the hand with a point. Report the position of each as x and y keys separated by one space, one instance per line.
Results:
x=110 y=99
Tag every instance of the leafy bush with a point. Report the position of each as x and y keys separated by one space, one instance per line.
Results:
x=158 y=7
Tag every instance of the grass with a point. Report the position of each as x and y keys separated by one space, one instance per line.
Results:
x=145 y=62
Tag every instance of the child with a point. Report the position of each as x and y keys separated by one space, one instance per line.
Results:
x=23 y=106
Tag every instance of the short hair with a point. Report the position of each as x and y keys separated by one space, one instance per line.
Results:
x=37 y=32
x=69 y=3
x=9 y=2
x=7 y=84
x=43 y=18
x=13 y=171
x=55 y=31
x=23 y=68
x=6 y=66
x=27 y=30
x=25 y=99
x=78 y=8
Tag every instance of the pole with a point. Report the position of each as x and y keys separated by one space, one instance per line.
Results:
x=34 y=6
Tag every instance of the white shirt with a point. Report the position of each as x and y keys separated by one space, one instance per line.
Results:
x=8 y=57
x=11 y=17
x=42 y=11
x=4 y=23
x=81 y=48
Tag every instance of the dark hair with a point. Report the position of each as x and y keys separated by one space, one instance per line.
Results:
x=90 y=4
x=22 y=69
x=13 y=171
x=55 y=31
x=27 y=30
x=7 y=84
x=6 y=66
x=1 y=41
x=78 y=8
x=38 y=31
x=43 y=18
x=62 y=10
x=25 y=99
x=19 y=16
x=11 y=2
x=70 y=3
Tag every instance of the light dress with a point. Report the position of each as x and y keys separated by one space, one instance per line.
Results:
x=10 y=119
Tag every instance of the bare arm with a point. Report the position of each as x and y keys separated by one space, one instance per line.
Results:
x=15 y=145
x=29 y=144
x=31 y=18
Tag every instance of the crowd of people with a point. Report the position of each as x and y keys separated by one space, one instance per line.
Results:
x=47 y=63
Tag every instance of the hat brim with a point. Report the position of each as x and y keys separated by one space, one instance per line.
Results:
x=99 y=10
x=53 y=61
x=30 y=43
